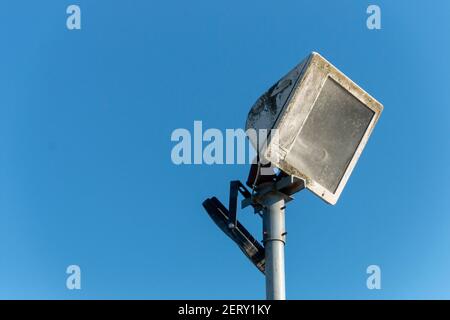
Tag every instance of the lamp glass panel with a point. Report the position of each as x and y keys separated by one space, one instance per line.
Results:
x=330 y=135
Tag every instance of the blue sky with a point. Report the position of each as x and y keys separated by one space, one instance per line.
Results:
x=86 y=176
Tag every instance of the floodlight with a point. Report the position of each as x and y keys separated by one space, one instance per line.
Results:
x=312 y=125
x=323 y=121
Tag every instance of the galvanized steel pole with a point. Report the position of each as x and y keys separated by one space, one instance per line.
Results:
x=274 y=235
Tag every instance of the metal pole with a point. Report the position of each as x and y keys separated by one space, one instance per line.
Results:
x=274 y=235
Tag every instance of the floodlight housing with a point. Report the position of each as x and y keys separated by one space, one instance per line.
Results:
x=323 y=121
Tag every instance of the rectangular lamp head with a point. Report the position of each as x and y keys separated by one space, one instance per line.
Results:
x=322 y=121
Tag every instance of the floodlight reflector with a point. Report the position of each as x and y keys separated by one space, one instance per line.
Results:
x=323 y=121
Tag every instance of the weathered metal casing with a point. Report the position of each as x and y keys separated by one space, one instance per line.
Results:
x=323 y=121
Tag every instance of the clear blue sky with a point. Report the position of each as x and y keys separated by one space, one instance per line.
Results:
x=86 y=176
